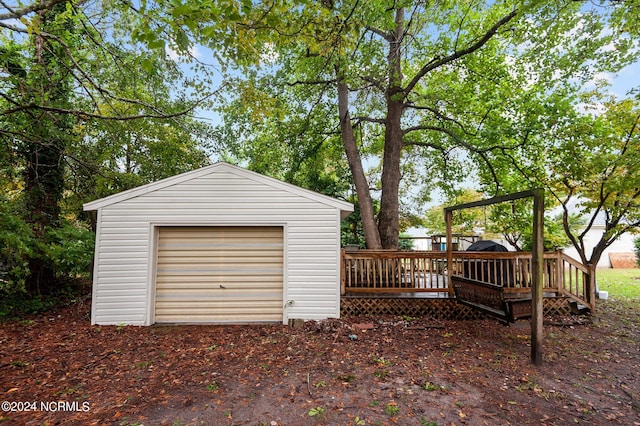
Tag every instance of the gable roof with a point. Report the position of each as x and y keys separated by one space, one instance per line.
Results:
x=344 y=207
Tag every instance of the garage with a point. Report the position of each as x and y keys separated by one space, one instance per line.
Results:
x=219 y=244
x=219 y=274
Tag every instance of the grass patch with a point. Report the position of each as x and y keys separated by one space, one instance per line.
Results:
x=391 y=409
x=316 y=412
x=620 y=283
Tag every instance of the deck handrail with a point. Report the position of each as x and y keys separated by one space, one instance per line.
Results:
x=578 y=281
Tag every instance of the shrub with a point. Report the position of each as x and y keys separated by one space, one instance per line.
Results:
x=16 y=248
x=636 y=242
x=405 y=243
x=70 y=249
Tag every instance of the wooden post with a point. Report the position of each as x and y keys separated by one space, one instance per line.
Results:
x=591 y=291
x=559 y=268
x=537 y=262
x=448 y=218
x=343 y=274
x=537 y=278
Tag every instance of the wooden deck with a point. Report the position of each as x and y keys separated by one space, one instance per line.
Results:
x=427 y=276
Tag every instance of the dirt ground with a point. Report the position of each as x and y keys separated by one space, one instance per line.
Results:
x=57 y=369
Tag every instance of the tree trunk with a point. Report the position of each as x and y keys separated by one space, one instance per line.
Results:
x=388 y=218
x=371 y=236
x=44 y=148
x=43 y=184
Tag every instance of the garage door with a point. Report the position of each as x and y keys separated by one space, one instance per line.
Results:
x=219 y=274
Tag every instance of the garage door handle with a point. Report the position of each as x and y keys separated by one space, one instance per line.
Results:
x=221 y=286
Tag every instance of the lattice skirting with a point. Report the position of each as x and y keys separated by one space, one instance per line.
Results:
x=556 y=306
x=444 y=309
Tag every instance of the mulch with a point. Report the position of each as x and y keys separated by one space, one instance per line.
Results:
x=56 y=368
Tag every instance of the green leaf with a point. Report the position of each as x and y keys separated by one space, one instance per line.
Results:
x=183 y=10
x=147 y=65
x=156 y=44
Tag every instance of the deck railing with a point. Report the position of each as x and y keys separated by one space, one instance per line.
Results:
x=578 y=281
x=384 y=271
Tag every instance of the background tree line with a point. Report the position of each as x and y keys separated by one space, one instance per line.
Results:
x=377 y=102
x=85 y=112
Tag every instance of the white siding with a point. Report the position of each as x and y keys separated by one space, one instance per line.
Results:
x=624 y=244
x=125 y=247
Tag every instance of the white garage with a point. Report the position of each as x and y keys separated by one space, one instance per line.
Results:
x=216 y=245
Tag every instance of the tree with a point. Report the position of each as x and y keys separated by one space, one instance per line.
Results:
x=465 y=222
x=605 y=183
x=45 y=82
x=110 y=156
x=324 y=65
x=417 y=87
x=514 y=222
x=510 y=221
x=588 y=162
x=65 y=68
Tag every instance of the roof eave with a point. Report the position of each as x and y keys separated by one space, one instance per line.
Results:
x=345 y=207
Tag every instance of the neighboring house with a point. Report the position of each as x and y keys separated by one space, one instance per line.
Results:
x=217 y=244
x=624 y=245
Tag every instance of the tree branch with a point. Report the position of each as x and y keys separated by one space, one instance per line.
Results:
x=365 y=119
x=460 y=142
x=311 y=82
x=84 y=114
x=19 y=13
x=438 y=114
x=375 y=83
x=438 y=62
x=79 y=74
x=388 y=36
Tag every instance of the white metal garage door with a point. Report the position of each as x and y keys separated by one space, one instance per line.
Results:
x=219 y=274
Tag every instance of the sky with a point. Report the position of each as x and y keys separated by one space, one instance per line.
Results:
x=626 y=80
